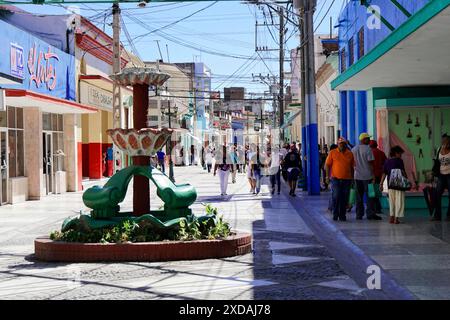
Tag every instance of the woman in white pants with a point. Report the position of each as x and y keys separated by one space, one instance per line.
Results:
x=396 y=197
x=224 y=168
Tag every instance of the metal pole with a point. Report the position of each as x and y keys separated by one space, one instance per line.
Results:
x=310 y=104
x=281 y=94
x=117 y=96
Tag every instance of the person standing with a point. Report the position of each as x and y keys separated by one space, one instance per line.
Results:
x=444 y=178
x=396 y=197
x=161 y=160
x=364 y=175
x=340 y=165
x=224 y=167
x=292 y=163
x=378 y=165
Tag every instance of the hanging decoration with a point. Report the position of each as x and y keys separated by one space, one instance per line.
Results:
x=397 y=119
x=418 y=139
x=409 y=121
x=417 y=122
x=409 y=135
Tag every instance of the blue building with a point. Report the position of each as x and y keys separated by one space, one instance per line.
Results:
x=394 y=79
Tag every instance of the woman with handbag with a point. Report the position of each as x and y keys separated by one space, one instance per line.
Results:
x=394 y=170
x=443 y=177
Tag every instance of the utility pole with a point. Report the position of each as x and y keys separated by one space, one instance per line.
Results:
x=281 y=94
x=306 y=11
x=118 y=112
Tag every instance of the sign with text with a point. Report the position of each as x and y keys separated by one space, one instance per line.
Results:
x=17 y=61
x=42 y=67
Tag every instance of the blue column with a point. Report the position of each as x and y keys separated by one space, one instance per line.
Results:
x=304 y=163
x=361 y=112
x=351 y=117
x=312 y=150
x=343 y=112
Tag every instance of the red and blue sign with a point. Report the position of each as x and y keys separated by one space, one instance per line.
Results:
x=35 y=64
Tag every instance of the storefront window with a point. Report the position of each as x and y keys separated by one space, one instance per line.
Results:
x=16 y=142
x=3 y=119
x=53 y=124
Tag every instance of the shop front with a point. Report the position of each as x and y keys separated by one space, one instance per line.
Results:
x=400 y=91
x=96 y=90
x=38 y=124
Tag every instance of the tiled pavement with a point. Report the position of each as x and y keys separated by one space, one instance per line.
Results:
x=288 y=262
x=416 y=253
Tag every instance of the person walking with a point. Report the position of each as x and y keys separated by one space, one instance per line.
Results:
x=340 y=165
x=378 y=165
x=443 y=178
x=234 y=163
x=192 y=158
x=203 y=163
x=208 y=159
x=161 y=158
x=292 y=163
x=327 y=177
x=364 y=175
x=275 y=160
x=224 y=166
x=256 y=165
x=250 y=177
x=396 y=197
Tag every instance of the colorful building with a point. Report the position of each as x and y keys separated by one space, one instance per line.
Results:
x=38 y=117
x=394 y=79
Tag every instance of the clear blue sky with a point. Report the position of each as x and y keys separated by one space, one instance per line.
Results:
x=226 y=27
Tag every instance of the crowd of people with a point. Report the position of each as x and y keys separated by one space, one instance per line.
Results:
x=355 y=174
x=255 y=161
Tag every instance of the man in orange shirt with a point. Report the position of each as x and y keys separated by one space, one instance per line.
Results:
x=341 y=163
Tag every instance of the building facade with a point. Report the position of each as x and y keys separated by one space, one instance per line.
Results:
x=38 y=117
x=394 y=81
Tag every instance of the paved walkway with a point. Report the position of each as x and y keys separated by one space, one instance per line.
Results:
x=288 y=262
x=416 y=253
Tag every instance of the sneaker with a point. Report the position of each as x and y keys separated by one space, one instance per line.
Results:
x=221 y=194
x=374 y=217
x=392 y=219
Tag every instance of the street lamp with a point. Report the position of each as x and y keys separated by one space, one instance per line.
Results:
x=170 y=112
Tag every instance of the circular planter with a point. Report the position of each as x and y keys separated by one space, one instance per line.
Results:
x=57 y=251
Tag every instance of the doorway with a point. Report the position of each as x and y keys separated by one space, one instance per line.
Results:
x=47 y=153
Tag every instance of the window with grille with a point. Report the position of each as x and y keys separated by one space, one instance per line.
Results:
x=361 y=43
x=351 y=52
x=16 y=142
x=343 y=60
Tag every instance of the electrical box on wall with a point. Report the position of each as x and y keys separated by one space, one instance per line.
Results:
x=2 y=100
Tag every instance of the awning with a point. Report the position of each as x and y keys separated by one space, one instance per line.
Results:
x=101 y=82
x=415 y=54
x=290 y=119
x=25 y=98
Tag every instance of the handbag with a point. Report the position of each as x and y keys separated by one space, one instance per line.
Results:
x=352 y=196
x=436 y=165
x=397 y=181
x=371 y=190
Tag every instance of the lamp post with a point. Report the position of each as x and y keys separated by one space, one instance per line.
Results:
x=170 y=113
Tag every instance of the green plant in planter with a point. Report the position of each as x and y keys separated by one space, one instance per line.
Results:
x=209 y=226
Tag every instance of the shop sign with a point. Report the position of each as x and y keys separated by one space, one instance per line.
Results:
x=42 y=67
x=99 y=98
x=17 y=61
